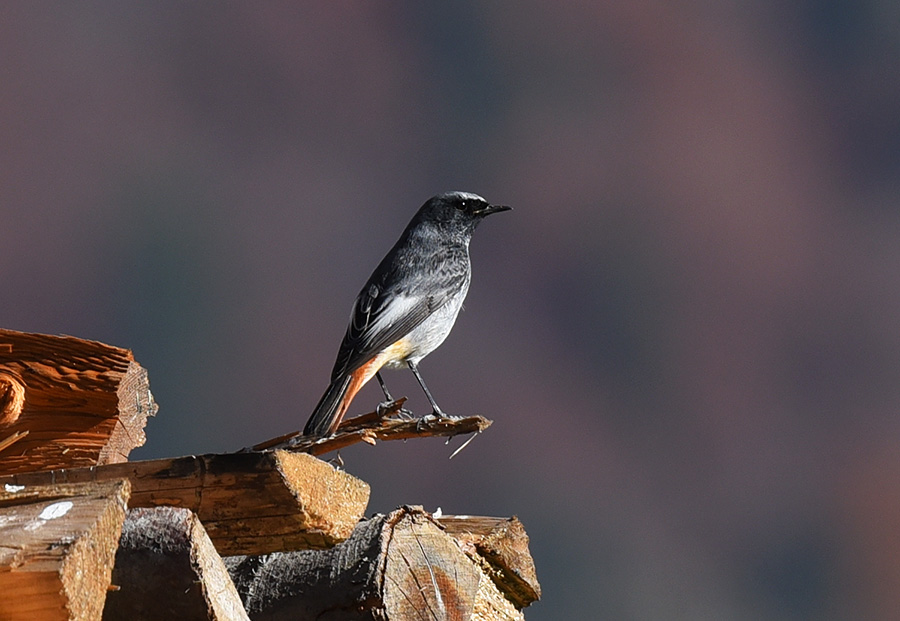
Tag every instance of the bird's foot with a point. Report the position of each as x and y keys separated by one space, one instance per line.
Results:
x=437 y=415
x=386 y=408
x=336 y=461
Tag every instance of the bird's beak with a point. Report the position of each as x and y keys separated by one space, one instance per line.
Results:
x=492 y=209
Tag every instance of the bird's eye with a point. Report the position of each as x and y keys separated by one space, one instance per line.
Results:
x=463 y=205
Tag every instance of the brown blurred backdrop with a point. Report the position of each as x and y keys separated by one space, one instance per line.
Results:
x=687 y=333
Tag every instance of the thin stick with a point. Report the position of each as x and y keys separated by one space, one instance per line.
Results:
x=378 y=425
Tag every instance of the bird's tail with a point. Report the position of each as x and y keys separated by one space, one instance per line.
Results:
x=331 y=408
x=333 y=405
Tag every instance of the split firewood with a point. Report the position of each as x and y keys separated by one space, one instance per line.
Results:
x=394 y=567
x=57 y=545
x=502 y=545
x=250 y=503
x=68 y=402
x=167 y=568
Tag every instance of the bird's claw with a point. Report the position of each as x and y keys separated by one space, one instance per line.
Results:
x=386 y=408
x=337 y=461
x=428 y=418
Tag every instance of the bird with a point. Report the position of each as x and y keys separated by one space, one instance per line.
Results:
x=408 y=305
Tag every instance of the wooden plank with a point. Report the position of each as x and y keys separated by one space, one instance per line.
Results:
x=250 y=503
x=394 y=567
x=68 y=402
x=57 y=550
x=167 y=568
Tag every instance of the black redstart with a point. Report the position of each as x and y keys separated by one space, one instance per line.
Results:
x=409 y=304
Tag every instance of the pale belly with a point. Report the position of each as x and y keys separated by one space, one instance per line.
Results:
x=426 y=337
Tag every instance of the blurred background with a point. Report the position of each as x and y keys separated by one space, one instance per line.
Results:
x=686 y=332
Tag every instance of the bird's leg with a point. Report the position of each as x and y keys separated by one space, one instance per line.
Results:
x=437 y=410
x=389 y=401
x=384 y=389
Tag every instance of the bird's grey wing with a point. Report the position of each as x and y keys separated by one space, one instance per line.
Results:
x=381 y=316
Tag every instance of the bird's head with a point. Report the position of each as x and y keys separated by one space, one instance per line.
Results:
x=462 y=210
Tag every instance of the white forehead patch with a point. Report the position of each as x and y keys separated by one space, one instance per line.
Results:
x=469 y=196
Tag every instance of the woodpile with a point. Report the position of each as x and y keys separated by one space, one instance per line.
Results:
x=269 y=532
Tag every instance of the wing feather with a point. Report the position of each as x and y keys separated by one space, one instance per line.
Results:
x=383 y=314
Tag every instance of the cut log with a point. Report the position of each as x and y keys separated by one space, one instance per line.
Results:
x=67 y=402
x=397 y=566
x=502 y=544
x=57 y=550
x=250 y=503
x=167 y=568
